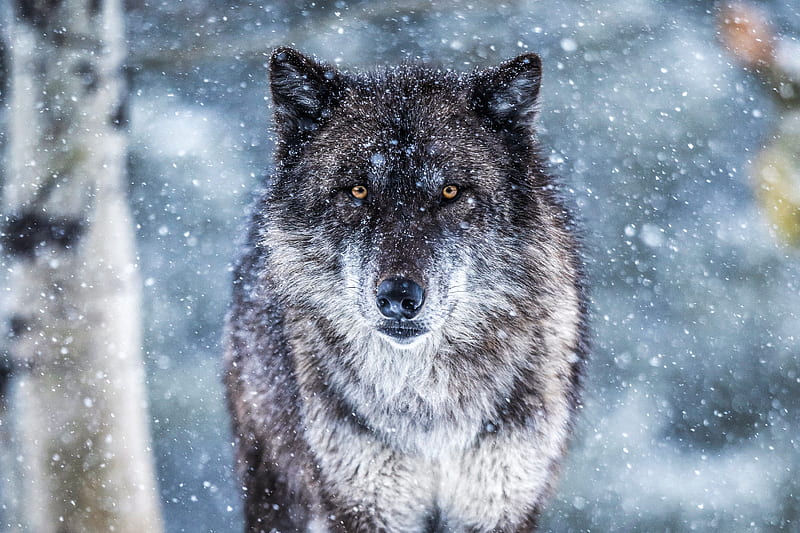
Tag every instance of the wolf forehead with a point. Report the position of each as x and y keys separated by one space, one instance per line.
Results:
x=403 y=123
x=404 y=118
x=385 y=161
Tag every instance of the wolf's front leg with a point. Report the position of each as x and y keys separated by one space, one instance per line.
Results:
x=377 y=490
x=277 y=491
x=367 y=518
x=499 y=485
x=529 y=524
x=270 y=506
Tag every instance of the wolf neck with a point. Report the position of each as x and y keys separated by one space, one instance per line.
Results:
x=402 y=394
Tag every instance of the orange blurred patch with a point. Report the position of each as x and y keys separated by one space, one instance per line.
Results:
x=747 y=34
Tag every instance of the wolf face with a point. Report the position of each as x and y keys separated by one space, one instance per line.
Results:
x=407 y=198
x=412 y=285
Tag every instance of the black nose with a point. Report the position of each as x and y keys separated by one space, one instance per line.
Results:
x=400 y=298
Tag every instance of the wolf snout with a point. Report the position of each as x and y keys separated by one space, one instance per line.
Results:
x=399 y=298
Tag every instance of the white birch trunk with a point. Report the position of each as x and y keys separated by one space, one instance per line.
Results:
x=74 y=289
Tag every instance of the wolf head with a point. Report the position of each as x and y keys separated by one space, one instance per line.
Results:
x=409 y=205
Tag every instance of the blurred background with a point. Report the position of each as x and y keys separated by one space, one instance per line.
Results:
x=680 y=155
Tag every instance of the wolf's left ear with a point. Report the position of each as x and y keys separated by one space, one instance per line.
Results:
x=302 y=90
x=509 y=93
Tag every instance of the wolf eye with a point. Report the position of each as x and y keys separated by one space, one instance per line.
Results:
x=449 y=192
x=359 y=192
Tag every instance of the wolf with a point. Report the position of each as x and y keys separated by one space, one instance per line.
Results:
x=407 y=336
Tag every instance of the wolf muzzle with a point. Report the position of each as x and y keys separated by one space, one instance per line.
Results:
x=400 y=298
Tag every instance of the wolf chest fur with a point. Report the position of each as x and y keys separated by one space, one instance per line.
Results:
x=407 y=334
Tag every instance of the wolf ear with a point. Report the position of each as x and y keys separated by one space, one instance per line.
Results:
x=302 y=90
x=508 y=94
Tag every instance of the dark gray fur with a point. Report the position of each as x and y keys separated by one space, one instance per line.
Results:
x=339 y=427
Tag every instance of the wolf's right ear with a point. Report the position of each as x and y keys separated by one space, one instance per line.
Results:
x=302 y=90
x=509 y=93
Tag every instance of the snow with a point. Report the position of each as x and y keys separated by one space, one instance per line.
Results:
x=690 y=422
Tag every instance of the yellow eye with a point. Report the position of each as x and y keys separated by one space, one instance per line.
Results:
x=359 y=192
x=449 y=192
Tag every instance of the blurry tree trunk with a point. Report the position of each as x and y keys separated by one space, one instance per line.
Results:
x=72 y=306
